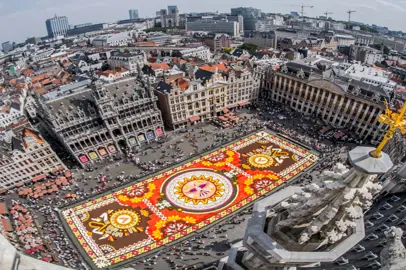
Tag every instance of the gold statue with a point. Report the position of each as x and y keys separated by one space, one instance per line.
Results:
x=396 y=121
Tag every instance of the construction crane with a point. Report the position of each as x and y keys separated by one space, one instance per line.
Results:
x=303 y=7
x=327 y=13
x=349 y=17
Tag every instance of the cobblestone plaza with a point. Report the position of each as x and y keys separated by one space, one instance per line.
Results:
x=119 y=226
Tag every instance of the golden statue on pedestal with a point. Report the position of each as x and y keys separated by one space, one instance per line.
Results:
x=396 y=121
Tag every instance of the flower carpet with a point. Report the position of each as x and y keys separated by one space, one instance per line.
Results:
x=146 y=215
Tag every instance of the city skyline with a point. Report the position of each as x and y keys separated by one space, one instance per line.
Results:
x=19 y=15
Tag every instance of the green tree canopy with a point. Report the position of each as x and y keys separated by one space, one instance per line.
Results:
x=249 y=47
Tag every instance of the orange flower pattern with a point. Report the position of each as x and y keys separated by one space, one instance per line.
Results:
x=119 y=226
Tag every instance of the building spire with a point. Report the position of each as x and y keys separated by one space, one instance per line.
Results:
x=396 y=121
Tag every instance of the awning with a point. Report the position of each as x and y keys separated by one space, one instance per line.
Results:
x=180 y=122
x=3 y=208
x=222 y=118
x=225 y=110
x=232 y=106
x=38 y=177
x=3 y=190
x=7 y=225
x=324 y=130
x=20 y=184
x=194 y=118
x=243 y=103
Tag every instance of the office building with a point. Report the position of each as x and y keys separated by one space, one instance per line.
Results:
x=221 y=17
x=101 y=121
x=25 y=156
x=172 y=9
x=57 y=26
x=82 y=25
x=133 y=13
x=86 y=29
x=214 y=90
x=223 y=27
x=7 y=46
x=250 y=16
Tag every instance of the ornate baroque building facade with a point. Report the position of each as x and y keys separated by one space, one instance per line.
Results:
x=205 y=97
x=339 y=101
x=101 y=121
x=25 y=156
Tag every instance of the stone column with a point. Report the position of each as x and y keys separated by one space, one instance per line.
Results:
x=315 y=104
x=359 y=110
x=320 y=106
x=325 y=106
x=339 y=107
x=367 y=127
x=346 y=108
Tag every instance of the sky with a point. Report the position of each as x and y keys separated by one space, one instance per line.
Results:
x=20 y=19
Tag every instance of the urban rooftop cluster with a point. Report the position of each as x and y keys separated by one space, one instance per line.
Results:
x=240 y=140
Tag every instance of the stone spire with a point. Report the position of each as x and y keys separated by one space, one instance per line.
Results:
x=393 y=256
x=326 y=210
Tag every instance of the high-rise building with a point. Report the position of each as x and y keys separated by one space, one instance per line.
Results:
x=57 y=26
x=172 y=9
x=6 y=46
x=249 y=14
x=133 y=14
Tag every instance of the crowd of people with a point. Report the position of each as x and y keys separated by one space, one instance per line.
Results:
x=200 y=138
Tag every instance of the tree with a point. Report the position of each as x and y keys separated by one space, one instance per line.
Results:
x=227 y=50
x=379 y=64
x=249 y=47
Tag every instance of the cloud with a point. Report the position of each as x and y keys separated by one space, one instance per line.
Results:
x=390 y=4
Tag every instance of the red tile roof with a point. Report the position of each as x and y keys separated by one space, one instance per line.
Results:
x=212 y=68
x=27 y=72
x=182 y=83
x=40 y=78
x=163 y=66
